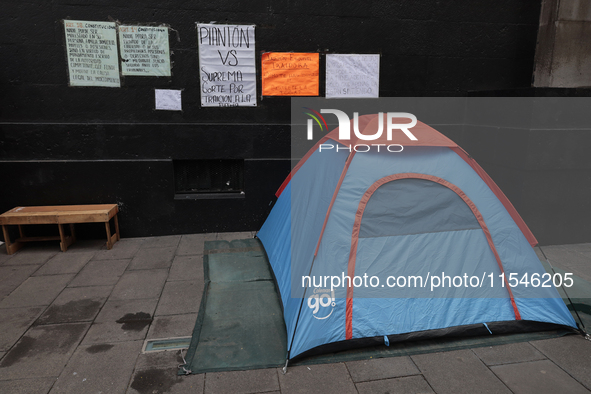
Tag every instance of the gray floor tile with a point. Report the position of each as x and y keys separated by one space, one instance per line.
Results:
x=122 y=320
x=381 y=368
x=321 y=378
x=168 y=241
x=76 y=304
x=26 y=386
x=39 y=290
x=100 y=273
x=190 y=244
x=113 y=332
x=587 y=254
x=43 y=246
x=140 y=284
x=157 y=372
x=580 y=248
x=42 y=351
x=565 y=257
x=30 y=257
x=406 y=385
x=14 y=322
x=505 y=354
x=153 y=258
x=12 y=276
x=165 y=381
x=551 y=248
x=582 y=269
x=537 y=377
x=159 y=360
x=241 y=382
x=120 y=309
x=458 y=372
x=579 y=268
x=123 y=249
x=87 y=245
x=186 y=268
x=65 y=263
x=571 y=353
x=233 y=236
x=172 y=326
x=3 y=256
x=98 y=368
x=180 y=297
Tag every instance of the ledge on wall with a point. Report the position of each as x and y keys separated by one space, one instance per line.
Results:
x=209 y=196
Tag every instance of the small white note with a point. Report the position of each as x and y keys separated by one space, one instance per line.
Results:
x=168 y=99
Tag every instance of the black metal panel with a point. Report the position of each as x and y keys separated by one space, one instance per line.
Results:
x=209 y=176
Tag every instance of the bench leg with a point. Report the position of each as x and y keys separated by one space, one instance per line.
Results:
x=109 y=241
x=21 y=232
x=65 y=241
x=11 y=248
x=117 y=228
x=63 y=246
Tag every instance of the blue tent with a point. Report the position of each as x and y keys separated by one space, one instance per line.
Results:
x=380 y=246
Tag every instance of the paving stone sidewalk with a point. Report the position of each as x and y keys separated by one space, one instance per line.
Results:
x=75 y=322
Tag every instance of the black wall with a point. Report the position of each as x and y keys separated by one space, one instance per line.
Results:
x=64 y=145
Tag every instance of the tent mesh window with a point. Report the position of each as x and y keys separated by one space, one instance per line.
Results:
x=415 y=206
x=209 y=176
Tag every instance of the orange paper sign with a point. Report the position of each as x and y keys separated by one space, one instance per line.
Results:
x=290 y=74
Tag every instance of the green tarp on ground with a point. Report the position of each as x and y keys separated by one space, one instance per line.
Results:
x=240 y=324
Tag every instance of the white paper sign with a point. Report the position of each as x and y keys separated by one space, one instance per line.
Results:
x=144 y=51
x=92 y=53
x=227 y=65
x=352 y=76
x=168 y=99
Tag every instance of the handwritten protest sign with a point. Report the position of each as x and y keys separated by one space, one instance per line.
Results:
x=92 y=53
x=290 y=74
x=227 y=65
x=144 y=51
x=352 y=76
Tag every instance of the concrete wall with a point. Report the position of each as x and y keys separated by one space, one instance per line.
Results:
x=537 y=151
x=563 y=55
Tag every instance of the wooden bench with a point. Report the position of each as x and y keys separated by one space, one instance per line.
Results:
x=60 y=215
